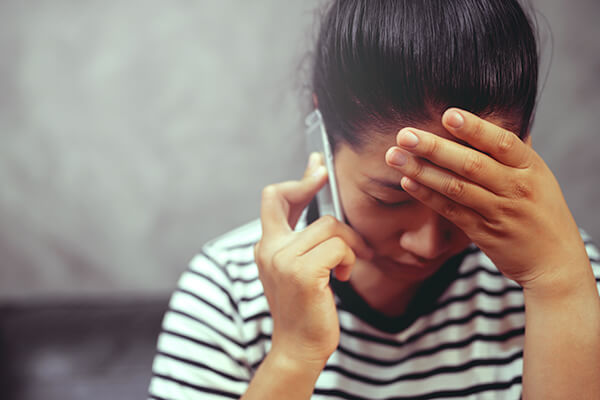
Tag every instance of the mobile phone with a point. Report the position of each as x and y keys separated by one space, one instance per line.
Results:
x=328 y=199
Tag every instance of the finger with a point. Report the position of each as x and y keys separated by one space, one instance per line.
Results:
x=283 y=203
x=328 y=255
x=445 y=182
x=314 y=160
x=325 y=228
x=464 y=161
x=502 y=145
x=461 y=216
x=343 y=272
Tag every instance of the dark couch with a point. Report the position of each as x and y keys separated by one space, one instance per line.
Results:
x=78 y=350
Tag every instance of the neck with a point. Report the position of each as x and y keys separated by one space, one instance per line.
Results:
x=390 y=296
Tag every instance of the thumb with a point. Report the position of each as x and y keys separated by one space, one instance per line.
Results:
x=315 y=177
x=283 y=203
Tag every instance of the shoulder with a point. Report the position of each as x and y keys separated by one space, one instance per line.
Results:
x=230 y=254
x=234 y=244
x=480 y=290
x=478 y=277
x=220 y=296
x=205 y=345
x=236 y=247
x=227 y=264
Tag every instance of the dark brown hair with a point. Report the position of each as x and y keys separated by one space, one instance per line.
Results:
x=383 y=63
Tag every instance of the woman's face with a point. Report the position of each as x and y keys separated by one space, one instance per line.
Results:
x=409 y=239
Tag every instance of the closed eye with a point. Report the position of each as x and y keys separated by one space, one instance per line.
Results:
x=391 y=204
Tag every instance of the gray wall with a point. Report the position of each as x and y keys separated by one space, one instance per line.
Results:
x=131 y=132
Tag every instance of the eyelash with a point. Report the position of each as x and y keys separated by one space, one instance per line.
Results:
x=390 y=205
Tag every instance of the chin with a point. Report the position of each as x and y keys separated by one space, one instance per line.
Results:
x=407 y=270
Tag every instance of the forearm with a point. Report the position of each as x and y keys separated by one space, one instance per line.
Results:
x=562 y=340
x=279 y=377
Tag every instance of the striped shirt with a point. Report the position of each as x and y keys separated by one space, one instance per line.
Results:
x=461 y=338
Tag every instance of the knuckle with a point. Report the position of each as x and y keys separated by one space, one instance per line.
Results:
x=506 y=141
x=418 y=170
x=279 y=260
x=491 y=226
x=328 y=223
x=450 y=210
x=521 y=190
x=477 y=131
x=454 y=187
x=433 y=147
x=473 y=165
x=532 y=161
x=349 y=256
x=269 y=191
x=337 y=242
x=508 y=209
x=339 y=247
x=260 y=255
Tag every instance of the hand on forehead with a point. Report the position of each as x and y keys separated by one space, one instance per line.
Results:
x=486 y=136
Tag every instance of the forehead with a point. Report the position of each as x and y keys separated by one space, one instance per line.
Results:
x=369 y=159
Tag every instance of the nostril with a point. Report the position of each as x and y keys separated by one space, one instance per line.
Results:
x=430 y=252
x=422 y=259
x=428 y=257
x=427 y=243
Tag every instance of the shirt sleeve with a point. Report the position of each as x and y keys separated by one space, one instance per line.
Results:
x=594 y=256
x=200 y=350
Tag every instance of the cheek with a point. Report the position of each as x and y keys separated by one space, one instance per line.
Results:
x=370 y=225
x=375 y=224
x=456 y=238
x=382 y=228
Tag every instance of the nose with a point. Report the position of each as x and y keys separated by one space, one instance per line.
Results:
x=429 y=237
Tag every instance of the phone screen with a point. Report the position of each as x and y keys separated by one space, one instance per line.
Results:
x=328 y=198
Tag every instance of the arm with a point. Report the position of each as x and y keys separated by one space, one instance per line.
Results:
x=281 y=377
x=201 y=349
x=562 y=336
x=505 y=198
x=294 y=268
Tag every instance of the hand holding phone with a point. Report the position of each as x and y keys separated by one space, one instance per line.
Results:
x=317 y=141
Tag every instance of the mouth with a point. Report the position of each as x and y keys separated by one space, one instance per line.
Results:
x=408 y=260
x=411 y=262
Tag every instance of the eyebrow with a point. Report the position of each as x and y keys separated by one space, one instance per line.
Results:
x=387 y=184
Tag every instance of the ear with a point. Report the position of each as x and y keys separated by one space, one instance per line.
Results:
x=315 y=100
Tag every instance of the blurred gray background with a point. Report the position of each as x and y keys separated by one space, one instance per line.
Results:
x=131 y=132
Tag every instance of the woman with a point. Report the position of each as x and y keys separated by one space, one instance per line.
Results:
x=456 y=236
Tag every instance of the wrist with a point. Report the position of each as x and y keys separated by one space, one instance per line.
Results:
x=295 y=363
x=283 y=377
x=569 y=279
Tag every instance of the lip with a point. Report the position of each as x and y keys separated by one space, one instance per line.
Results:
x=414 y=263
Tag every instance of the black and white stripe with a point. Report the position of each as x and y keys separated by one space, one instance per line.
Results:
x=217 y=331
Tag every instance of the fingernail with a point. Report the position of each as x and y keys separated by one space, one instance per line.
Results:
x=319 y=172
x=454 y=119
x=409 y=184
x=408 y=139
x=313 y=160
x=397 y=158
